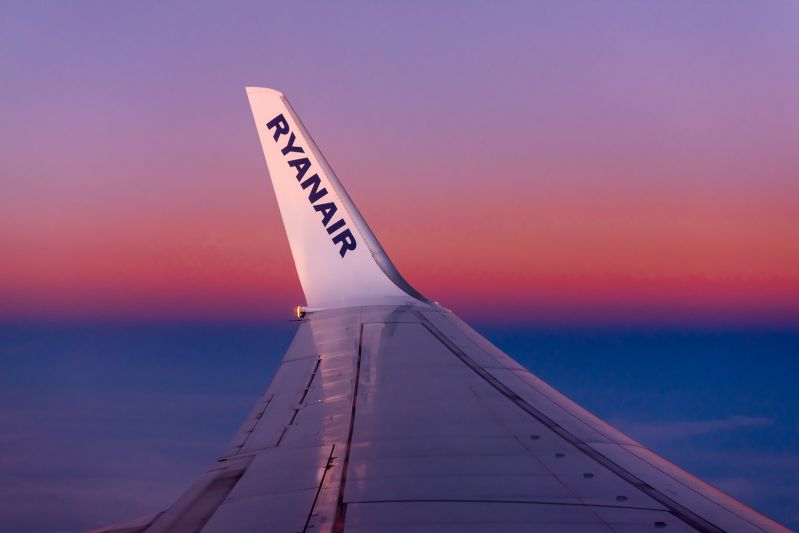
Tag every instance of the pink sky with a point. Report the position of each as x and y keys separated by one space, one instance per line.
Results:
x=616 y=163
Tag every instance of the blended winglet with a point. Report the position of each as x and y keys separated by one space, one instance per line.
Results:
x=339 y=260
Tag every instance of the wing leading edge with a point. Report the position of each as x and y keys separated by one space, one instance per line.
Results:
x=388 y=413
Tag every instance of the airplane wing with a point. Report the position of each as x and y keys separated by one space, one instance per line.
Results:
x=388 y=413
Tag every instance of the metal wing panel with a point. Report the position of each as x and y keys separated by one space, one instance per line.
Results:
x=465 y=516
x=684 y=494
x=276 y=492
x=554 y=402
x=282 y=470
x=724 y=511
x=402 y=418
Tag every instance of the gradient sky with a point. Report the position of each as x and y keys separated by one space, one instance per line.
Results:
x=558 y=165
x=601 y=162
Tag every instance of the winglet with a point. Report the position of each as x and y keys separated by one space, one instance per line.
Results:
x=338 y=258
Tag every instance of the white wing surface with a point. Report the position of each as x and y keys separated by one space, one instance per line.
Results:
x=388 y=413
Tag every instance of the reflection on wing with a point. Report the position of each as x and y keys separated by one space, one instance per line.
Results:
x=402 y=418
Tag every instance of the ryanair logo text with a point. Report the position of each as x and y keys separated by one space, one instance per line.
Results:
x=344 y=238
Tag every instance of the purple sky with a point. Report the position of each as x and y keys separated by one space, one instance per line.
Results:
x=568 y=161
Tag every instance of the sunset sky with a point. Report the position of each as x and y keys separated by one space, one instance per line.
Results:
x=607 y=190
x=543 y=162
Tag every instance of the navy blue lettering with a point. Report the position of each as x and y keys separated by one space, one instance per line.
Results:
x=347 y=241
x=314 y=182
x=301 y=165
x=290 y=146
x=280 y=125
x=335 y=226
x=328 y=210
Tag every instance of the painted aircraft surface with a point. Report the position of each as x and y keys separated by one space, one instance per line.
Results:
x=388 y=413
